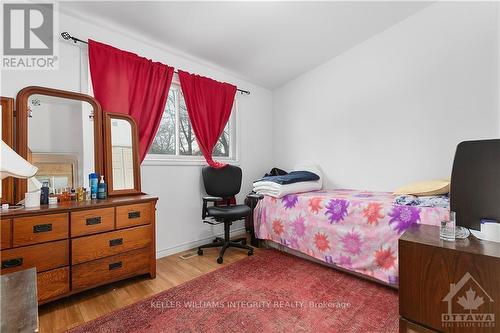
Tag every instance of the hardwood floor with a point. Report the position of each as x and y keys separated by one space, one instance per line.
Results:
x=171 y=271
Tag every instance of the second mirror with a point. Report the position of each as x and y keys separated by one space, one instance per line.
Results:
x=121 y=154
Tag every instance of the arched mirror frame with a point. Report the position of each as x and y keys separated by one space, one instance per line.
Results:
x=108 y=156
x=22 y=114
x=8 y=138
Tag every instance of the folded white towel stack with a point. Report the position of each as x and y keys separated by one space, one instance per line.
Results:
x=276 y=190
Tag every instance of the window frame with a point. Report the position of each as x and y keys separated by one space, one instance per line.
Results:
x=177 y=159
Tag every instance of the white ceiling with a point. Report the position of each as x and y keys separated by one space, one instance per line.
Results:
x=268 y=43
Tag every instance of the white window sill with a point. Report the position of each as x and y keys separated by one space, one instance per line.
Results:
x=183 y=161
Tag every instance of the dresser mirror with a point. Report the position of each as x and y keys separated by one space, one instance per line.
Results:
x=64 y=155
x=60 y=132
x=121 y=154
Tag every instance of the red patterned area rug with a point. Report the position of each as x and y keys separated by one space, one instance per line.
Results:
x=269 y=292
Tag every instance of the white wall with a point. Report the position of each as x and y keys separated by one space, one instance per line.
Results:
x=179 y=188
x=392 y=109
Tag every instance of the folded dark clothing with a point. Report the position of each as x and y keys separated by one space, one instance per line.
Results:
x=276 y=172
x=292 y=177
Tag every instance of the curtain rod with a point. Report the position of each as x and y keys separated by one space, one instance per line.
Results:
x=67 y=36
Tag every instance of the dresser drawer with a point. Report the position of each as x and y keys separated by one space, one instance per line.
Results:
x=110 y=243
x=92 y=221
x=6 y=230
x=38 y=229
x=131 y=215
x=42 y=256
x=112 y=268
x=52 y=283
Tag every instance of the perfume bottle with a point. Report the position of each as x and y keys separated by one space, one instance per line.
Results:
x=65 y=195
x=72 y=195
x=80 y=194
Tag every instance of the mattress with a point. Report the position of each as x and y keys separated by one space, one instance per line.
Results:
x=356 y=230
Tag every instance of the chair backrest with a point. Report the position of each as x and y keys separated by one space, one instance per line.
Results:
x=224 y=182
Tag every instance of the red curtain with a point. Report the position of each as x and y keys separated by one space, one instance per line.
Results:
x=124 y=82
x=209 y=105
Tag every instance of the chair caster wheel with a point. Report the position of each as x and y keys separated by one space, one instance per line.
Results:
x=250 y=253
x=244 y=242
x=220 y=260
x=200 y=252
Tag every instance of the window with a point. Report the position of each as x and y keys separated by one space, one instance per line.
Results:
x=175 y=139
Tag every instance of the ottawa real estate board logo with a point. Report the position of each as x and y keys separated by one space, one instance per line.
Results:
x=29 y=36
x=469 y=305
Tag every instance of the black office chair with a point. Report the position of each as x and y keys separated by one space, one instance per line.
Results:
x=221 y=185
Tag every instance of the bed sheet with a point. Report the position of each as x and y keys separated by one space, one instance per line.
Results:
x=356 y=230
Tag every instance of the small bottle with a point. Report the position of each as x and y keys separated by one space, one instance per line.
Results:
x=65 y=196
x=53 y=199
x=79 y=194
x=101 y=192
x=447 y=230
x=72 y=195
x=44 y=195
x=93 y=185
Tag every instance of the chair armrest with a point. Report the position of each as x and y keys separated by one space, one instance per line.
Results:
x=206 y=200
x=253 y=199
x=212 y=199
x=255 y=196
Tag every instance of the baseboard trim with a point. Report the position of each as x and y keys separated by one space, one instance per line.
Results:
x=192 y=244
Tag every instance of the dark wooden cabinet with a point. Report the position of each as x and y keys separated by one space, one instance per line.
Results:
x=80 y=245
x=448 y=286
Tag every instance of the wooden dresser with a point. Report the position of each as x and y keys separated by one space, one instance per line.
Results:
x=80 y=245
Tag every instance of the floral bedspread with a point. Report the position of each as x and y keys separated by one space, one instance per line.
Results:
x=356 y=230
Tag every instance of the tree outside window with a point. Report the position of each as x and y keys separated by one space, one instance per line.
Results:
x=175 y=136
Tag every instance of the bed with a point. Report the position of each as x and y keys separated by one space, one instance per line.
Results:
x=357 y=231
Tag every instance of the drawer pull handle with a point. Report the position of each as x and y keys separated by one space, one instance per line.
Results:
x=134 y=215
x=115 y=242
x=93 y=220
x=42 y=228
x=12 y=263
x=115 y=265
